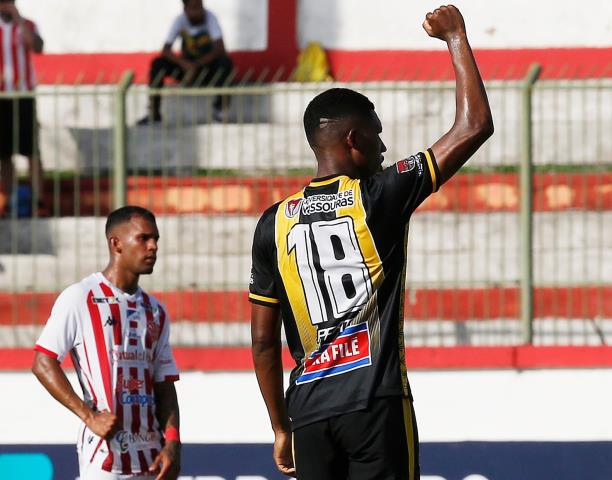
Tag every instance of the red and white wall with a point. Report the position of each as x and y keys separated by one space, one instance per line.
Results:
x=91 y=36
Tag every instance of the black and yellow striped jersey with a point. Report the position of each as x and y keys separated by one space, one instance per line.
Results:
x=333 y=257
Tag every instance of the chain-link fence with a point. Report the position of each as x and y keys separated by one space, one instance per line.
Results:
x=517 y=247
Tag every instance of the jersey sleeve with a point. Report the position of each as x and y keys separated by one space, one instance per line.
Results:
x=175 y=30
x=262 y=288
x=402 y=187
x=164 y=365
x=214 y=29
x=59 y=335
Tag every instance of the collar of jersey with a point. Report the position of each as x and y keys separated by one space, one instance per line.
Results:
x=318 y=182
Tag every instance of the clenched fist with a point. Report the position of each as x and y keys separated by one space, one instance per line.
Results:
x=104 y=424
x=444 y=23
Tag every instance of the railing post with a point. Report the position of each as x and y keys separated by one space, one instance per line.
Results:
x=526 y=211
x=120 y=141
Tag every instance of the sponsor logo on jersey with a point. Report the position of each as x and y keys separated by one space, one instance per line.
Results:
x=119 y=355
x=107 y=300
x=129 y=383
x=127 y=398
x=325 y=203
x=349 y=351
x=126 y=439
x=406 y=165
x=110 y=322
x=292 y=207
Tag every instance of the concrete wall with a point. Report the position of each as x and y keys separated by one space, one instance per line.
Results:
x=140 y=25
x=497 y=405
x=570 y=126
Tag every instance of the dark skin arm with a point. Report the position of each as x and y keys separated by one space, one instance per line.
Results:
x=473 y=121
x=267 y=348
x=168 y=463
x=50 y=374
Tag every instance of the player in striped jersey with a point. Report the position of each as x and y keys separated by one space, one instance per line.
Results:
x=330 y=262
x=19 y=37
x=118 y=339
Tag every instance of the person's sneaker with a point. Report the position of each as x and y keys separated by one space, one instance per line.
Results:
x=149 y=120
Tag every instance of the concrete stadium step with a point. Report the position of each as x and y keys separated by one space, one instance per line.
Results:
x=208 y=252
x=76 y=130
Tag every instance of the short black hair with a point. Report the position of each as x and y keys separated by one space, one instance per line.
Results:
x=125 y=214
x=334 y=103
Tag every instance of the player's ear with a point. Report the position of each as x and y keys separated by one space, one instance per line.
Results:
x=351 y=138
x=115 y=244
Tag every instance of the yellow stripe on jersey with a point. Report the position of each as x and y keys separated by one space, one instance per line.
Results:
x=401 y=342
x=364 y=236
x=320 y=183
x=288 y=268
x=264 y=299
x=432 y=171
x=286 y=219
x=410 y=436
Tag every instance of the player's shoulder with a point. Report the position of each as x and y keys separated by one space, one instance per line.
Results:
x=210 y=16
x=181 y=20
x=29 y=23
x=269 y=213
x=76 y=293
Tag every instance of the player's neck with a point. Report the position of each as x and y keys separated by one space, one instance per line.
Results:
x=329 y=166
x=124 y=280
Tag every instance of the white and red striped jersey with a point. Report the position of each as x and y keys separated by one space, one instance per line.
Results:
x=119 y=344
x=16 y=69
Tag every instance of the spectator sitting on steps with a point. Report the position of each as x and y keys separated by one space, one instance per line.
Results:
x=203 y=60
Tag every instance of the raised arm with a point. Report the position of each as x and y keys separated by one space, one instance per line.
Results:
x=50 y=374
x=473 y=122
x=267 y=349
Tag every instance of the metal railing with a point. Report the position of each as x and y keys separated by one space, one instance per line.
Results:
x=515 y=249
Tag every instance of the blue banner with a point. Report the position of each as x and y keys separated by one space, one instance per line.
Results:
x=439 y=461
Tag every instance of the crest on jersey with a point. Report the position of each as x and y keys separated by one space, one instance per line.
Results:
x=153 y=329
x=292 y=207
x=406 y=165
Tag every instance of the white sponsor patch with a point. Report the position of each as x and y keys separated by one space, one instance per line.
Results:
x=325 y=203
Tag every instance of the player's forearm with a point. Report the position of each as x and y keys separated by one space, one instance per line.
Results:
x=269 y=371
x=166 y=405
x=471 y=98
x=473 y=121
x=49 y=373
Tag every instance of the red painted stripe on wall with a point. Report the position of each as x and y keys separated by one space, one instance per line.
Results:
x=458 y=304
x=466 y=193
x=346 y=65
x=515 y=357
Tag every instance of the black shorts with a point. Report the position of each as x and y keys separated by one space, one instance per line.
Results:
x=380 y=442
x=17 y=126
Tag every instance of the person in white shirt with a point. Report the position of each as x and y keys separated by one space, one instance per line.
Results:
x=118 y=339
x=19 y=37
x=203 y=60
